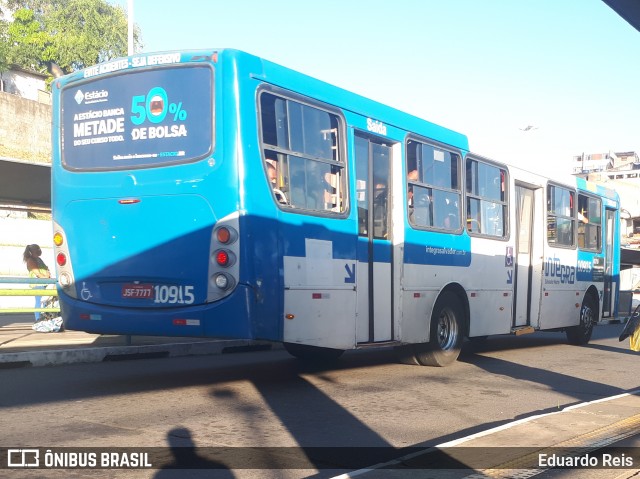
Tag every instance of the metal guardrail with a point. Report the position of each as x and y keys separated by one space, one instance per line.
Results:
x=28 y=292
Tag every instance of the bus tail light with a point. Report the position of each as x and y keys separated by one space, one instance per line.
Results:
x=224 y=258
x=226 y=235
x=224 y=270
x=64 y=280
x=61 y=259
x=223 y=281
x=58 y=239
x=223 y=235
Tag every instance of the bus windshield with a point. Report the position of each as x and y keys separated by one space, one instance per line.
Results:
x=139 y=119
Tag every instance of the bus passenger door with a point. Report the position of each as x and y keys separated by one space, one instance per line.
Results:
x=523 y=274
x=609 y=285
x=375 y=278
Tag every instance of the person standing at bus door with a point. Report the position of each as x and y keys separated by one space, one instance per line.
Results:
x=37 y=269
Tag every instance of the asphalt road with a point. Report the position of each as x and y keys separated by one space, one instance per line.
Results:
x=268 y=399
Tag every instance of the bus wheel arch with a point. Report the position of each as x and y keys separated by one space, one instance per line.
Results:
x=463 y=300
x=589 y=314
x=448 y=326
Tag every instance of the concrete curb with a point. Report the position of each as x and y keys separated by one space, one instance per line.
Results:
x=53 y=357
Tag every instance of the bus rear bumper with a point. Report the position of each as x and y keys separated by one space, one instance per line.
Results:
x=227 y=318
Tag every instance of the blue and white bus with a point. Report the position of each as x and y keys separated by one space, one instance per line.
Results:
x=216 y=194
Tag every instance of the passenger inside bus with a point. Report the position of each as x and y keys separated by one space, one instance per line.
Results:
x=419 y=201
x=272 y=174
x=448 y=210
x=312 y=186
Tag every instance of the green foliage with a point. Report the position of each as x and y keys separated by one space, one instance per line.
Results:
x=4 y=46
x=73 y=34
x=29 y=45
x=88 y=32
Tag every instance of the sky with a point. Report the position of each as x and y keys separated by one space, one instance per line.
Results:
x=570 y=69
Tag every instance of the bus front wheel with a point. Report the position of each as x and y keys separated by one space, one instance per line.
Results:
x=312 y=353
x=581 y=334
x=445 y=337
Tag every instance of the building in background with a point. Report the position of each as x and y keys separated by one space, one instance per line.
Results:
x=26 y=84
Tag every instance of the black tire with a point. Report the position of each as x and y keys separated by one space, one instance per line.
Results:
x=406 y=354
x=312 y=353
x=581 y=334
x=479 y=339
x=446 y=333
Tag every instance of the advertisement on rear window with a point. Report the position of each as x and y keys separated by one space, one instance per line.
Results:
x=138 y=119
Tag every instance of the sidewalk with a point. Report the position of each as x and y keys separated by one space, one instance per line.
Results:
x=21 y=346
x=527 y=448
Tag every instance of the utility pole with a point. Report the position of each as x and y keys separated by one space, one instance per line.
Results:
x=130 y=26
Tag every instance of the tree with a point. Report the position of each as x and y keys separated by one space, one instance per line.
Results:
x=4 y=45
x=29 y=46
x=73 y=34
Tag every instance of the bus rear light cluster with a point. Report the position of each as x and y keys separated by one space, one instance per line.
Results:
x=223 y=267
x=64 y=267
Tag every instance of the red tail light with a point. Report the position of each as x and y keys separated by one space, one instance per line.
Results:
x=222 y=258
x=61 y=259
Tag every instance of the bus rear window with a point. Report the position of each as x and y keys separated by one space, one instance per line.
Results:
x=138 y=119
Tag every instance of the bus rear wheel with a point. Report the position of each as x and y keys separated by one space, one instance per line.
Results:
x=312 y=353
x=445 y=341
x=581 y=334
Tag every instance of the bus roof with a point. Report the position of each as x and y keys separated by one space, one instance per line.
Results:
x=346 y=100
x=284 y=77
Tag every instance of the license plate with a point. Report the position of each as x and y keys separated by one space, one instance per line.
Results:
x=138 y=291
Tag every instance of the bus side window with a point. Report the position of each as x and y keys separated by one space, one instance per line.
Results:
x=486 y=198
x=560 y=216
x=309 y=171
x=589 y=223
x=433 y=186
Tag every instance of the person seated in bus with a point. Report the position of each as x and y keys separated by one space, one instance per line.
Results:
x=450 y=220
x=272 y=174
x=411 y=176
x=448 y=210
x=312 y=187
x=420 y=201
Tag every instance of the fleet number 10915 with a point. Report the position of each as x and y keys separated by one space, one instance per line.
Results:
x=173 y=294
